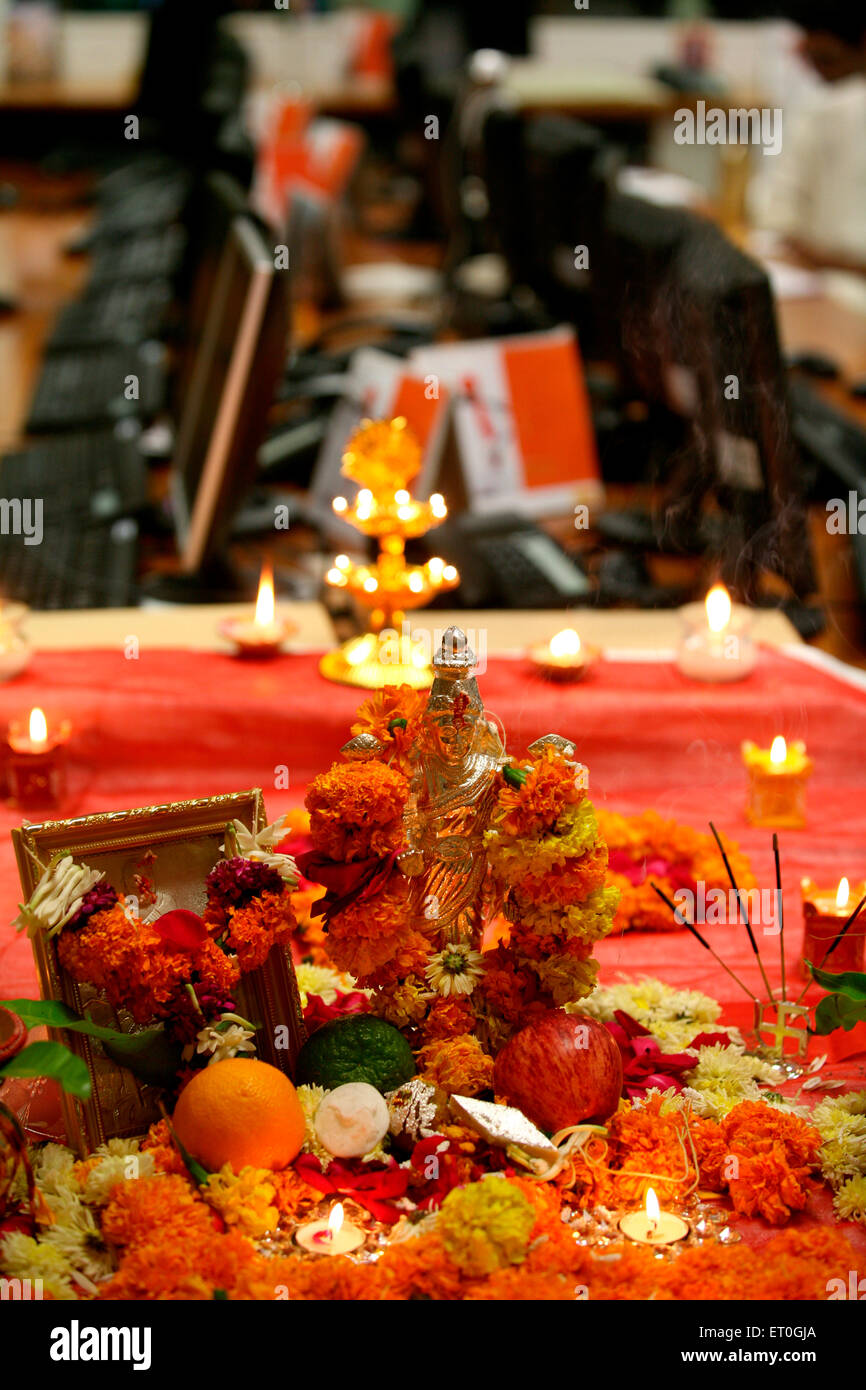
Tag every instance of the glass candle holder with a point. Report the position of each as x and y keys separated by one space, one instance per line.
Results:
x=36 y=762
x=777 y=778
x=716 y=644
x=824 y=916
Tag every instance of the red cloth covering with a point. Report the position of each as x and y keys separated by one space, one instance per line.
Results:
x=173 y=725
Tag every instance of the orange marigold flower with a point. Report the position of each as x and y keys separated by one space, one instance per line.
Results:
x=368 y=933
x=459 y=1065
x=505 y=987
x=568 y=882
x=448 y=1018
x=380 y=714
x=129 y=962
x=189 y=1264
x=146 y=1210
x=410 y=958
x=536 y=806
x=356 y=810
x=253 y=930
x=158 y=1143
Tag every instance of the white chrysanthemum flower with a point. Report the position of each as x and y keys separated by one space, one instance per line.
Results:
x=318 y=979
x=23 y=1257
x=113 y=1169
x=673 y=1016
x=260 y=847
x=310 y=1098
x=115 y=1147
x=456 y=969
x=723 y=1076
x=225 y=1042
x=849 y=1202
x=53 y=1169
x=57 y=896
x=76 y=1235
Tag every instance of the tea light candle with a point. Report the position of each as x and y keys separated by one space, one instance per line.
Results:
x=264 y=633
x=653 y=1226
x=825 y=913
x=564 y=657
x=36 y=760
x=716 y=644
x=336 y=1236
x=777 y=784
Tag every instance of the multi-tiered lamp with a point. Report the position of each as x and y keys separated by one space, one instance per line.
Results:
x=383 y=456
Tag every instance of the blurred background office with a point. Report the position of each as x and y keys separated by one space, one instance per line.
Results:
x=229 y=231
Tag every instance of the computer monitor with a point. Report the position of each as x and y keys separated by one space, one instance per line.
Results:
x=238 y=365
x=729 y=360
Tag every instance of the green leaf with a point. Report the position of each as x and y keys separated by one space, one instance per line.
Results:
x=54 y=1061
x=197 y=1172
x=838 y=1011
x=514 y=776
x=850 y=982
x=150 y=1055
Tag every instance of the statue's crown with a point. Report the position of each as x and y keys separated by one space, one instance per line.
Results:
x=455 y=658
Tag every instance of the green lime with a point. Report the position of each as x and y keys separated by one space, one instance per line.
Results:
x=359 y=1047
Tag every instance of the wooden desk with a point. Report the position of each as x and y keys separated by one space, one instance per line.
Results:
x=192 y=627
x=195 y=627
x=69 y=94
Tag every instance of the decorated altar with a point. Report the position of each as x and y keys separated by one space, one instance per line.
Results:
x=448 y=1028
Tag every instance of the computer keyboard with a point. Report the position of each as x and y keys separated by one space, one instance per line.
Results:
x=98 y=386
x=96 y=476
x=152 y=255
x=127 y=312
x=156 y=202
x=72 y=568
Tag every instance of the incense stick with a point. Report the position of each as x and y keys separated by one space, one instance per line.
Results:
x=834 y=943
x=745 y=914
x=690 y=926
x=780 y=909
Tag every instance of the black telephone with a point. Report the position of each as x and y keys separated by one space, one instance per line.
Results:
x=507 y=561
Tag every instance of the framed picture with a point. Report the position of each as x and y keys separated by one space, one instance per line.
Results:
x=176 y=845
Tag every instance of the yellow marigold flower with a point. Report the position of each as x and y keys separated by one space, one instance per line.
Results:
x=565 y=978
x=486 y=1226
x=245 y=1199
x=575 y=832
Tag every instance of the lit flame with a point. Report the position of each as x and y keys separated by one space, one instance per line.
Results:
x=779 y=750
x=371 y=585
x=335 y=1220
x=362 y=651
x=402 y=497
x=653 y=1211
x=436 y=567
x=449 y=574
x=339 y=504
x=265 y=599
x=437 y=505
x=342 y=562
x=718 y=606
x=405 y=513
x=565 y=643
x=416 y=583
x=843 y=892
x=38 y=727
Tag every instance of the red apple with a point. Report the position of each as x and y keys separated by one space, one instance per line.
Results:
x=561 y=1069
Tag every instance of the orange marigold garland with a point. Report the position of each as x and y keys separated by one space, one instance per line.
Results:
x=649 y=847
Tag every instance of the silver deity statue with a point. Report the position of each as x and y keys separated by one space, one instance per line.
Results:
x=451 y=799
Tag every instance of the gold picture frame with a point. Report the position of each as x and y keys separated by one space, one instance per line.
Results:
x=185 y=837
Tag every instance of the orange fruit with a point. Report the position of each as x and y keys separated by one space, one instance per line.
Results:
x=241 y=1112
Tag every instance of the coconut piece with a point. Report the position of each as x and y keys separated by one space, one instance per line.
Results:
x=351 y=1120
